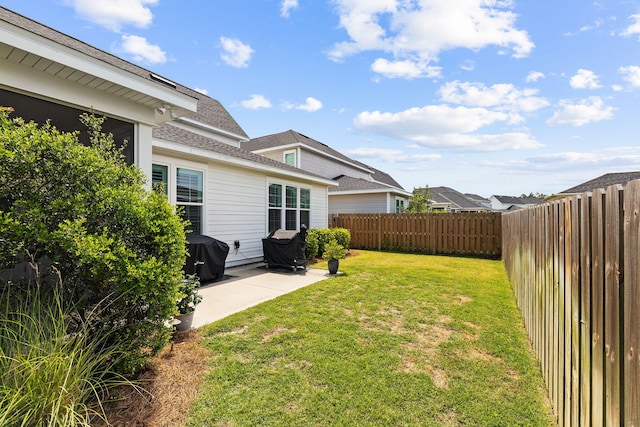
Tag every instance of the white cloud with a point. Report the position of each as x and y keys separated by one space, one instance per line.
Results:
x=586 y=111
x=405 y=69
x=623 y=158
x=584 y=79
x=502 y=96
x=202 y=91
x=142 y=51
x=420 y=31
x=236 y=53
x=114 y=14
x=286 y=6
x=256 y=102
x=631 y=74
x=534 y=76
x=633 y=29
x=311 y=105
x=446 y=127
x=391 y=155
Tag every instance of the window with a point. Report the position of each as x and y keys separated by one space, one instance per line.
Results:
x=288 y=209
x=189 y=197
x=399 y=205
x=160 y=178
x=290 y=158
x=275 y=207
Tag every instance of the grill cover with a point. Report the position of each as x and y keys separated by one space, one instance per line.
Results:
x=206 y=257
x=284 y=248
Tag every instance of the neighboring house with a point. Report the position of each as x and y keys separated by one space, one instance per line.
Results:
x=510 y=203
x=482 y=201
x=445 y=199
x=603 y=182
x=177 y=136
x=361 y=188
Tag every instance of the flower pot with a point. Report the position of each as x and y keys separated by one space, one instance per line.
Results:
x=185 y=321
x=333 y=266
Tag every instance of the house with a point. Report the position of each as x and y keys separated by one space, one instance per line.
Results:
x=361 y=188
x=177 y=136
x=510 y=203
x=603 y=182
x=446 y=199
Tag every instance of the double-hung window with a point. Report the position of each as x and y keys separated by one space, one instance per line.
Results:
x=189 y=188
x=289 y=207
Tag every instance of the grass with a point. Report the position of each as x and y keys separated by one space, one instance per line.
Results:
x=398 y=340
x=49 y=377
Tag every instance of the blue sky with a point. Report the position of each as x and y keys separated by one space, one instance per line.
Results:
x=486 y=96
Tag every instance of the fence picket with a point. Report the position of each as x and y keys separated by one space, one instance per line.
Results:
x=453 y=234
x=574 y=265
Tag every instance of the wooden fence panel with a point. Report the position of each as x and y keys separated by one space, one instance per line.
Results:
x=574 y=265
x=612 y=305
x=631 y=298
x=452 y=234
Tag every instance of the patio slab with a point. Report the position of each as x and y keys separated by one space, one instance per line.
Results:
x=247 y=286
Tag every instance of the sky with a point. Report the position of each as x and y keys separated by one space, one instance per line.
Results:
x=492 y=97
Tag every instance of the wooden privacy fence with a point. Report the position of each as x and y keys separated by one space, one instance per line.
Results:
x=574 y=268
x=472 y=234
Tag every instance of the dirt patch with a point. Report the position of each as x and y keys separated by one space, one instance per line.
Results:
x=272 y=334
x=448 y=418
x=168 y=387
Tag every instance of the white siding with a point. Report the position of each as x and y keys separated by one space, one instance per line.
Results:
x=359 y=203
x=329 y=168
x=236 y=206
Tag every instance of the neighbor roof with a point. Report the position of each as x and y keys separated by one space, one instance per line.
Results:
x=603 y=181
x=348 y=183
x=449 y=195
x=512 y=200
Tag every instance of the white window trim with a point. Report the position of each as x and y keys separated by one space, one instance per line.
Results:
x=172 y=182
x=295 y=157
x=283 y=208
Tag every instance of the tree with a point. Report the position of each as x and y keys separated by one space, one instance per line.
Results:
x=114 y=246
x=420 y=201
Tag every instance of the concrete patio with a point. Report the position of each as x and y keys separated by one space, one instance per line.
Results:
x=249 y=285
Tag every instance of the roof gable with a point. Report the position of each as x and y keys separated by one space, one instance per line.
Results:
x=603 y=182
x=291 y=137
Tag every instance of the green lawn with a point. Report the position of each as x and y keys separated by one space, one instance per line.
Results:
x=399 y=340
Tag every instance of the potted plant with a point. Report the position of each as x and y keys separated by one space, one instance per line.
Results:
x=187 y=304
x=333 y=252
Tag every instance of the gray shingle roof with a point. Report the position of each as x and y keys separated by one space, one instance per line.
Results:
x=172 y=133
x=210 y=111
x=603 y=182
x=348 y=183
x=293 y=137
x=512 y=200
x=449 y=195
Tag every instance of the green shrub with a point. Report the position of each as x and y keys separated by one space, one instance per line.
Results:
x=322 y=236
x=312 y=244
x=49 y=376
x=334 y=250
x=88 y=214
x=342 y=236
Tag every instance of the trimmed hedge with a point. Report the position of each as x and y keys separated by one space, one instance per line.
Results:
x=318 y=237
